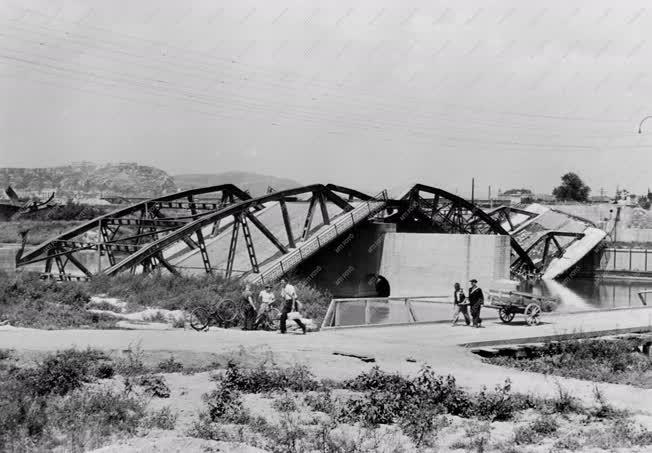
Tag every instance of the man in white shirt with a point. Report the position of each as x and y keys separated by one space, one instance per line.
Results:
x=266 y=297
x=289 y=296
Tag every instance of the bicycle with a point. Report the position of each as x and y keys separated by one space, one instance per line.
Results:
x=225 y=312
x=270 y=319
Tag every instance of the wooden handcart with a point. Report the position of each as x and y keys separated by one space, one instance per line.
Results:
x=511 y=303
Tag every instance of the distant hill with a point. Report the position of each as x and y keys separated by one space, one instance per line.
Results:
x=89 y=180
x=255 y=183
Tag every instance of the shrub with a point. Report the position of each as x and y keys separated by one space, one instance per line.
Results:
x=285 y=403
x=595 y=360
x=320 y=401
x=62 y=372
x=543 y=426
x=154 y=385
x=225 y=405
x=131 y=363
x=170 y=365
x=569 y=442
x=86 y=417
x=163 y=418
x=565 y=402
x=264 y=378
x=497 y=405
x=27 y=301
x=5 y=353
x=79 y=420
x=604 y=409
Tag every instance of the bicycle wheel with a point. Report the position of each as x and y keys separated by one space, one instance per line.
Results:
x=199 y=319
x=227 y=310
x=274 y=318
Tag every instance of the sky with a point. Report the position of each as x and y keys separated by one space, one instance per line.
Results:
x=368 y=94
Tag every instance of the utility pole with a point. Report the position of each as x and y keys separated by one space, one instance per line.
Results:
x=472 y=190
x=491 y=203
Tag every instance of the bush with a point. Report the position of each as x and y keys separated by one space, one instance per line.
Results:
x=63 y=371
x=48 y=406
x=225 y=405
x=265 y=378
x=131 y=363
x=86 y=417
x=595 y=360
x=163 y=418
x=543 y=426
x=320 y=401
x=27 y=301
x=170 y=365
x=285 y=403
x=498 y=405
x=154 y=385
x=565 y=403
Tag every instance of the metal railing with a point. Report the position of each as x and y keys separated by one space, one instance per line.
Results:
x=631 y=260
x=333 y=316
x=308 y=248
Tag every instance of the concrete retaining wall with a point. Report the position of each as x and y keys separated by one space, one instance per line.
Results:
x=429 y=264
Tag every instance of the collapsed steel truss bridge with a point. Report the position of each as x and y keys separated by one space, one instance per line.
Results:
x=201 y=229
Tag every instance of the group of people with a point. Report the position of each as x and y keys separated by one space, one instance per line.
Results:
x=462 y=302
x=257 y=316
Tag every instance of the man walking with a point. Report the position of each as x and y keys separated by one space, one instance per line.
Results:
x=289 y=296
x=461 y=307
x=476 y=299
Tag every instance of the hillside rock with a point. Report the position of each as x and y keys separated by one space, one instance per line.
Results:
x=90 y=180
x=255 y=183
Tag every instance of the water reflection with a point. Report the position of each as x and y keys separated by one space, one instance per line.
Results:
x=581 y=293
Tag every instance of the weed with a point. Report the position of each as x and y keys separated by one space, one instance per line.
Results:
x=131 y=363
x=604 y=409
x=320 y=401
x=63 y=371
x=179 y=323
x=285 y=403
x=225 y=405
x=595 y=360
x=565 y=403
x=543 y=426
x=154 y=385
x=265 y=378
x=163 y=418
x=170 y=365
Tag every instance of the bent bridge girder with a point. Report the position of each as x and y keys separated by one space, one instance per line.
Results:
x=437 y=210
x=199 y=230
x=128 y=229
x=239 y=217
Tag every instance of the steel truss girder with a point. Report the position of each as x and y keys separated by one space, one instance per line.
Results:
x=461 y=216
x=548 y=238
x=150 y=222
x=244 y=208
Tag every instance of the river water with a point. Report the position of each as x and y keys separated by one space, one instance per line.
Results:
x=587 y=294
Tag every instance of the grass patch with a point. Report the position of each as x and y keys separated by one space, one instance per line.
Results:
x=27 y=301
x=377 y=409
x=51 y=406
x=599 y=360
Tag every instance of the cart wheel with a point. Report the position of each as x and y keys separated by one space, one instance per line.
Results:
x=532 y=314
x=199 y=319
x=228 y=310
x=505 y=315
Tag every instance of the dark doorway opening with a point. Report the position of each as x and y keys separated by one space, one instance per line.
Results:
x=383 y=288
